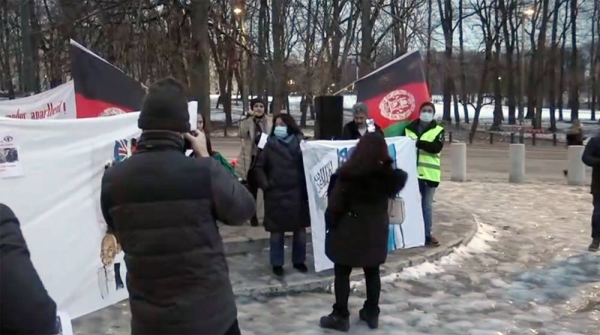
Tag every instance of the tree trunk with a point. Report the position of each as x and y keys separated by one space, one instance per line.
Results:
x=263 y=32
x=429 y=33
x=551 y=67
x=531 y=90
x=574 y=73
x=5 y=59
x=509 y=40
x=366 y=46
x=593 y=63
x=541 y=74
x=461 y=56
x=280 y=77
x=561 y=83
x=497 y=74
x=200 y=64
x=446 y=18
x=28 y=74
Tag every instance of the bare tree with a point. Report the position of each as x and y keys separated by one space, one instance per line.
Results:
x=574 y=68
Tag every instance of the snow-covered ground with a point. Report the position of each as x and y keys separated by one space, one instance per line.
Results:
x=527 y=271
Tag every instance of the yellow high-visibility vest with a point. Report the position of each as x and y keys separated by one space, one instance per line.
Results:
x=429 y=166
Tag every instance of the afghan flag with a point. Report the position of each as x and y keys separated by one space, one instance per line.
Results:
x=394 y=93
x=100 y=87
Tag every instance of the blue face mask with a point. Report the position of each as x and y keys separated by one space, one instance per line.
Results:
x=281 y=131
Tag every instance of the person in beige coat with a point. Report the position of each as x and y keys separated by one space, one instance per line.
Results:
x=250 y=132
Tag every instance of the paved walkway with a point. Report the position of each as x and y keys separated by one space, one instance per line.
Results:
x=526 y=272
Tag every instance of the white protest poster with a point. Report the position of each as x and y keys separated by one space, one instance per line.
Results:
x=193 y=111
x=10 y=165
x=322 y=158
x=57 y=203
x=56 y=103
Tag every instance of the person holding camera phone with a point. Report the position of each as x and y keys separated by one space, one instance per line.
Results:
x=252 y=129
x=162 y=207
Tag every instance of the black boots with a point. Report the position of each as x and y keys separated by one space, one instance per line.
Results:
x=335 y=322
x=595 y=245
x=371 y=320
x=278 y=271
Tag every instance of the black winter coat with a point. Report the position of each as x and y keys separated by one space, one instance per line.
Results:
x=591 y=158
x=163 y=207
x=279 y=171
x=350 y=131
x=357 y=216
x=25 y=306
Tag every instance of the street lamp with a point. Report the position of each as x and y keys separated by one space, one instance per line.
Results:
x=527 y=13
x=238 y=7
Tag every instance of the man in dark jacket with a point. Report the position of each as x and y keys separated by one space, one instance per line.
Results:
x=162 y=207
x=25 y=306
x=591 y=157
x=355 y=129
x=429 y=137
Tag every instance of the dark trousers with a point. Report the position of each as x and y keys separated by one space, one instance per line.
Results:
x=596 y=216
x=277 y=246
x=234 y=329
x=252 y=186
x=342 y=290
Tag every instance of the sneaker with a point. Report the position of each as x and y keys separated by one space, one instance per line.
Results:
x=301 y=267
x=254 y=221
x=278 y=271
x=595 y=245
x=432 y=241
x=372 y=322
x=332 y=321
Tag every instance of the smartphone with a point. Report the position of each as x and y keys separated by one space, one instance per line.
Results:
x=370 y=125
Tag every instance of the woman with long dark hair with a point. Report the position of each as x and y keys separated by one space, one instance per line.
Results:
x=357 y=223
x=280 y=174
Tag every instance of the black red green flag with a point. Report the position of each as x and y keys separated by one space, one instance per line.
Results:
x=394 y=92
x=100 y=87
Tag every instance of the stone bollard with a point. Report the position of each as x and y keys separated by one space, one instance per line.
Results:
x=516 y=153
x=458 y=152
x=576 y=175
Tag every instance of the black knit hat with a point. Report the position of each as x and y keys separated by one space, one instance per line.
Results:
x=256 y=101
x=165 y=107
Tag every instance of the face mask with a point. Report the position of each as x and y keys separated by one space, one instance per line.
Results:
x=426 y=117
x=280 y=131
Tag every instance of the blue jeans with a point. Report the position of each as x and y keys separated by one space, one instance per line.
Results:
x=427 y=194
x=277 y=244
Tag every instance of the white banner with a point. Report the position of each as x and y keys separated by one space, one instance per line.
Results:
x=56 y=196
x=321 y=160
x=50 y=175
x=57 y=103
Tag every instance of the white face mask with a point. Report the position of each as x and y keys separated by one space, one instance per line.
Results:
x=426 y=117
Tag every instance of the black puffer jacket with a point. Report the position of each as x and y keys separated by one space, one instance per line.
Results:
x=162 y=207
x=357 y=215
x=25 y=306
x=280 y=173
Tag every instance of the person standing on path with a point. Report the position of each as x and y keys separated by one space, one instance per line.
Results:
x=358 y=127
x=357 y=223
x=430 y=142
x=162 y=207
x=251 y=130
x=574 y=137
x=591 y=158
x=280 y=173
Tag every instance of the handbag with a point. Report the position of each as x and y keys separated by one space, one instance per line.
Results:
x=396 y=211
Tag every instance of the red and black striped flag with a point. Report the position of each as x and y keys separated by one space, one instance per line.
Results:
x=100 y=87
x=394 y=92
